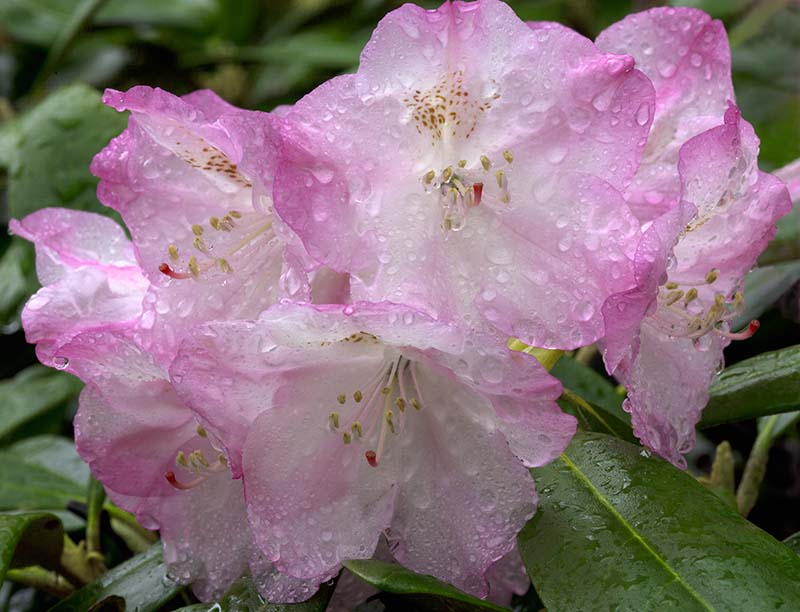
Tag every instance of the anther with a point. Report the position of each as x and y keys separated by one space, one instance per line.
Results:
x=388 y=416
x=214 y=222
x=194 y=269
x=485 y=163
x=690 y=295
x=197 y=230
x=462 y=163
x=415 y=403
x=712 y=276
x=372 y=458
x=508 y=156
x=674 y=296
x=342 y=398
x=201 y=432
x=197 y=458
x=428 y=177
x=200 y=245
x=357 y=429
x=333 y=417
x=346 y=438
x=447 y=174
x=224 y=266
x=386 y=390
x=358 y=396
x=400 y=403
x=671 y=286
x=173 y=252
x=180 y=459
x=235 y=214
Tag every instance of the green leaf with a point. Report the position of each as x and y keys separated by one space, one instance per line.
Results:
x=793 y=542
x=762 y=289
x=766 y=384
x=618 y=526
x=421 y=592
x=26 y=485
x=592 y=418
x=18 y=279
x=32 y=393
x=59 y=138
x=34 y=538
x=243 y=596
x=54 y=453
x=141 y=581
x=591 y=386
x=781 y=423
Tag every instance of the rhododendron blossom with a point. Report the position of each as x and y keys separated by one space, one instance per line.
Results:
x=472 y=168
x=355 y=420
x=668 y=358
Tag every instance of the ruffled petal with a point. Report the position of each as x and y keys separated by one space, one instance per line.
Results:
x=90 y=278
x=507 y=577
x=667 y=384
x=464 y=495
x=182 y=177
x=687 y=57
x=737 y=204
x=478 y=93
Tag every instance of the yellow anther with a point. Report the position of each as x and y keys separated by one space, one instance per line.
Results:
x=221 y=458
x=400 y=403
x=197 y=230
x=462 y=163
x=447 y=174
x=173 y=252
x=485 y=162
x=224 y=266
x=501 y=177
x=342 y=398
x=194 y=269
x=712 y=276
x=690 y=295
x=415 y=403
x=428 y=177
x=357 y=429
x=674 y=296
x=214 y=222
x=738 y=298
x=235 y=214
x=333 y=417
x=695 y=324
x=200 y=245
x=201 y=432
x=346 y=437
x=671 y=286
x=386 y=390
x=508 y=156
x=719 y=301
x=358 y=396
x=180 y=459
x=197 y=458
x=388 y=416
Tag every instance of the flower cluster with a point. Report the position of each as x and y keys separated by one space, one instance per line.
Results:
x=301 y=351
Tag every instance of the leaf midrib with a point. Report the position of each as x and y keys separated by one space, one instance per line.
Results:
x=635 y=535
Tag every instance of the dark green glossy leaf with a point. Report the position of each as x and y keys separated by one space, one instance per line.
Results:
x=766 y=384
x=793 y=542
x=243 y=596
x=54 y=453
x=32 y=538
x=421 y=592
x=59 y=138
x=29 y=486
x=32 y=393
x=18 y=280
x=618 y=526
x=141 y=581
x=591 y=386
x=593 y=418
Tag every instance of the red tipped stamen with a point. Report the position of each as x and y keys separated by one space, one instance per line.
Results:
x=164 y=268
x=477 y=188
x=746 y=333
x=372 y=458
x=170 y=476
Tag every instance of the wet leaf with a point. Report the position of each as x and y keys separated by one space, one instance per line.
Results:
x=32 y=538
x=615 y=523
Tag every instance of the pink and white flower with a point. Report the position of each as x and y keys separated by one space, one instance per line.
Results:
x=666 y=337
x=353 y=421
x=472 y=168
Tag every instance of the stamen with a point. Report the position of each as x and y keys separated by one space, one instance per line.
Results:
x=333 y=417
x=690 y=295
x=346 y=438
x=477 y=189
x=428 y=177
x=357 y=429
x=164 y=268
x=200 y=245
x=214 y=222
x=388 y=415
x=462 y=163
x=485 y=163
x=197 y=230
x=342 y=398
x=712 y=276
x=235 y=214
x=671 y=286
x=752 y=328
x=674 y=296
x=180 y=460
x=357 y=396
x=508 y=156
x=371 y=458
x=173 y=252
x=194 y=269
x=400 y=403
x=201 y=432
x=447 y=174
x=170 y=476
x=224 y=266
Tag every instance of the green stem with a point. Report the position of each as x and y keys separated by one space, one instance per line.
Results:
x=74 y=563
x=755 y=468
x=94 y=555
x=42 y=580
x=78 y=21
x=585 y=354
x=126 y=518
